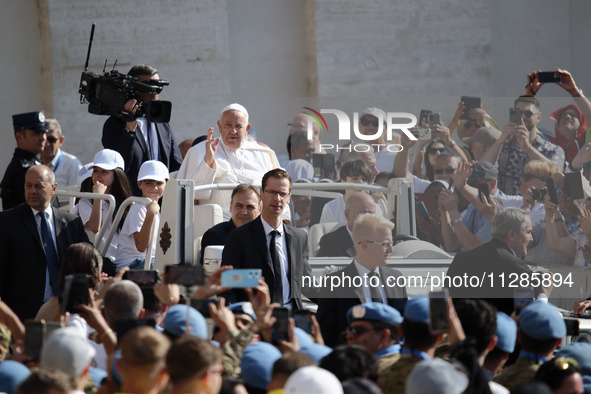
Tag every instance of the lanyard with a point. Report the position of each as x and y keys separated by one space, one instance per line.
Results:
x=57 y=164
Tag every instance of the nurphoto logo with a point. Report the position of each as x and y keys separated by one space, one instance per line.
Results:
x=386 y=122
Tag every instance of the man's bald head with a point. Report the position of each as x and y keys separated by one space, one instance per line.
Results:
x=357 y=204
x=300 y=123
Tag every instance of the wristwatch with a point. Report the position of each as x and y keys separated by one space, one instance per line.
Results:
x=127 y=130
x=456 y=221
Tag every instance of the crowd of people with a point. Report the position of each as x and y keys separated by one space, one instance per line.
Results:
x=497 y=199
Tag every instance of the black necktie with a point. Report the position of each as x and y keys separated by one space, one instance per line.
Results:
x=376 y=296
x=50 y=254
x=277 y=295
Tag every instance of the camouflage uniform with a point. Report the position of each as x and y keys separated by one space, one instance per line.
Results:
x=393 y=378
x=5 y=336
x=233 y=349
x=386 y=361
x=522 y=371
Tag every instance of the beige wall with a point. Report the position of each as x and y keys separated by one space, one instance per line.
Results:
x=402 y=56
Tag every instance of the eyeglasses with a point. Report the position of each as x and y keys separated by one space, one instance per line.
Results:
x=528 y=177
x=446 y=170
x=565 y=363
x=528 y=114
x=384 y=245
x=273 y=193
x=432 y=151
x=52 y=140
x=358 y=330
x=469 y=125
x=366 y=122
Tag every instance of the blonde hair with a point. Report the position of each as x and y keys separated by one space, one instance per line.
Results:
x=542 y=168
x=367 y=223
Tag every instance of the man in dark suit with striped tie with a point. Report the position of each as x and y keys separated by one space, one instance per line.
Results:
x=33 y=237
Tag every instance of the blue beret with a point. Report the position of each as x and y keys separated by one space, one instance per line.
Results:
x=31 y=120
x=243 y=307
x=587 y=383
x=257 y=364
x=417 y=310
x=12 y=374
x=581 y=352
x=176 y=317
x=506 y=332
x=97 y=375
x=374 y=311
x=542 y=321
x=308 y=347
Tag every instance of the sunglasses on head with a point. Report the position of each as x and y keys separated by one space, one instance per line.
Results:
x=432 y=151
x=366 y=122
x=446 y=170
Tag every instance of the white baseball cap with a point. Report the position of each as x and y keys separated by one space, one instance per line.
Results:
x=68 y=351
x=154 y=170
x=107 y=159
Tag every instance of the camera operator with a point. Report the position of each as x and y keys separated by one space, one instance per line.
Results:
x=141 y=140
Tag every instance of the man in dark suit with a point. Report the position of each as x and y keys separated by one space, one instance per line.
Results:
x=366 y=279
x=140 y=140
x=245 y=205
x=281 y=251
x=339 y=242
x=511 y=229
x=33 y=237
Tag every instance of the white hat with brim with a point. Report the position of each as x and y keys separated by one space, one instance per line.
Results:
x=107 y=159
x=153 y=170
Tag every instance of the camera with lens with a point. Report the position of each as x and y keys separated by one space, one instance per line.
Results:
x=107 y=94
x=538 y=194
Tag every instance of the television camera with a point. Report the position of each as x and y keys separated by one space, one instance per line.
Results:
x=107 y=94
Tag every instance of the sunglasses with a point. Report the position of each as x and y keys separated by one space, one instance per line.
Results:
x=447 y=171
x=358 y=330
x=433 y=151
x=366 y=122
x=469 y=125
x=52 y=140
x=528 y=114
x=573 y=115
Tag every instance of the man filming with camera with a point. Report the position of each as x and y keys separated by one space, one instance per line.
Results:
x=140 y=139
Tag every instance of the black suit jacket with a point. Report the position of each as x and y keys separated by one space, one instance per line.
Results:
x=333 y=308
x=246 y=247
x=22 y=257
x=134 y=148
x=217 y=235
x=337 y=243
x=493 y=257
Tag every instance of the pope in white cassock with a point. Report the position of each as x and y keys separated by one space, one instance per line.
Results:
x=231 y=159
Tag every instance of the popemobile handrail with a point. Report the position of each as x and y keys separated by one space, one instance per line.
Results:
x=102 y=243
x=303 y=189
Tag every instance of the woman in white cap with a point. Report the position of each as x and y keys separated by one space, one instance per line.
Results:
x=108 y=177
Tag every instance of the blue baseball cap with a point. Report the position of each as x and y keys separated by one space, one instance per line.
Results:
x=542 y=321
x=506 y=333
x=417 y=310
x=12 y=374
x=257 y=364
x=310 y=348
x=176 y=318
x=374 y=311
